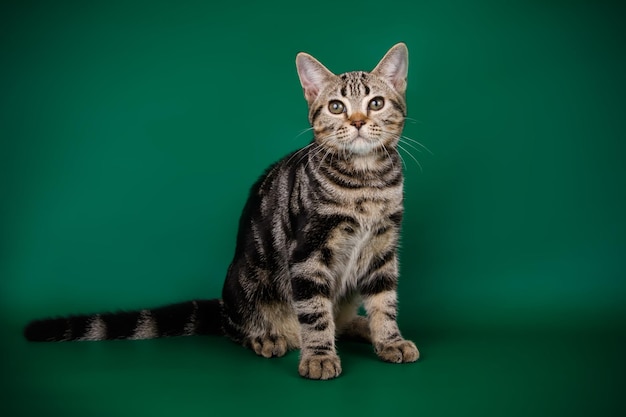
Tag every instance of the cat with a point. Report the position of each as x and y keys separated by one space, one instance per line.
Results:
x=317 y=239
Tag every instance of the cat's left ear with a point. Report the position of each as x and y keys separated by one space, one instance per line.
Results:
x=394 y=67
x=313 y=75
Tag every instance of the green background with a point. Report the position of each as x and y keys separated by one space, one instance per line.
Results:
x=130 y=132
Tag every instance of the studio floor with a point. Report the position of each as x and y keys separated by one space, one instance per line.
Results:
x=485 y=372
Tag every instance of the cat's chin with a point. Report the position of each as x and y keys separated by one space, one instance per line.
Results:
x=361 y=146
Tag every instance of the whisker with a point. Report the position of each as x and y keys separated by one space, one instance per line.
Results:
x=412 y=120
x=326 y=156
x=402 y=159
x=317 y=151
x=411 y=155
x=300 y=150
x=417 y=143
x=303 y=132
x=403 y=140
x=387 y=152
x=332 y=156
x=406 y=138
x=400 y=136
x=310 y=156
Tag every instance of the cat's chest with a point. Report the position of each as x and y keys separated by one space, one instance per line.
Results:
x=368 y=209
x=370 y=212
x=355 y=248
x=357 y=244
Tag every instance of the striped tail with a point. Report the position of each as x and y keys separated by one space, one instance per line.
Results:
x=183 y=319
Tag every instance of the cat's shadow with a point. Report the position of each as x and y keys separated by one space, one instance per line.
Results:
x=353 y=352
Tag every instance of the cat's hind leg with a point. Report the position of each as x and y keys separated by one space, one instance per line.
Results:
x=269 y=346
x=349 y=325
x=275 y=331
x=356 y=329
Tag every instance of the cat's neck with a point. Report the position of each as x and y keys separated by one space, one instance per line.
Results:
x=372 y=162
x=375 y=169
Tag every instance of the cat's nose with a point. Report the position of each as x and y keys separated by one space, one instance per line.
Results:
x=357 y=119
x=357 y=123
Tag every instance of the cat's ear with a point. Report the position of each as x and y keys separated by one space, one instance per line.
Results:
x=394 y=67
x=313 y=75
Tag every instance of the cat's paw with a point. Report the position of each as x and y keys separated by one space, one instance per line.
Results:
x=270 y=346
x=401 y=351
x=320 y=366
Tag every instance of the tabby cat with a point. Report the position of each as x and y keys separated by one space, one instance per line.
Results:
x=318 y=238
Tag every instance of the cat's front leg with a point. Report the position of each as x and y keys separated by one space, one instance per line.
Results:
x=380 y=301
x=313 y=305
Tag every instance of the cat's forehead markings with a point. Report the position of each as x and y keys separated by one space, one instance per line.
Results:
x=354 y=84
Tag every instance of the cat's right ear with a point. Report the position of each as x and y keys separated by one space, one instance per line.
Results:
x=313 y=75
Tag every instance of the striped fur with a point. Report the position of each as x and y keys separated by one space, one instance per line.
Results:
x=317 y=238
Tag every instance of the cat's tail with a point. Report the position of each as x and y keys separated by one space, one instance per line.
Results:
x=182 y=319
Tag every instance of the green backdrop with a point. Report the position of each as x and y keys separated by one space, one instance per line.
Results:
x=130 y=132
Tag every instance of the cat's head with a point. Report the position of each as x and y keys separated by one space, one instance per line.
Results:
x=356 y=112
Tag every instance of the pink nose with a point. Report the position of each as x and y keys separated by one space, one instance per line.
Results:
x=357 y=123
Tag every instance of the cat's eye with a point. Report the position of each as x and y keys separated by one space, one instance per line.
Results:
x=336 y=107
x=376 y=103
